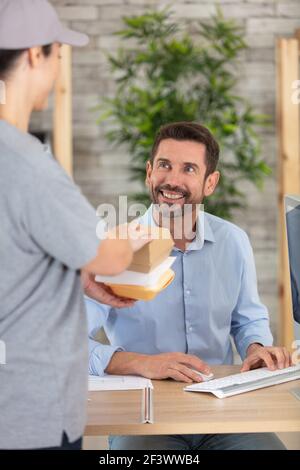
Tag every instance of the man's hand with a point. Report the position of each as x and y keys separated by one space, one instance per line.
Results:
x=102 y=293
x=269 y=356
x=174 y=365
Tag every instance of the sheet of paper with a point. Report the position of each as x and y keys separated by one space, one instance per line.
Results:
x=118 y=382
x=139 y=279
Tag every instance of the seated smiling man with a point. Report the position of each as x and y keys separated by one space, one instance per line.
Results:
x=213 y=296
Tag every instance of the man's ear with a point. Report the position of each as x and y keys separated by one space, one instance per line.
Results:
x=211 y=183
x=148 y=173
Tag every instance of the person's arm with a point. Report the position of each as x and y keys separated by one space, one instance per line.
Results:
x=250 y=323
x=102 y=293
x=114 y=256
x=266 y=356
x=116 y=250
x=64 y=225
x=99 y=354
x=250 y=319
x=174 y=365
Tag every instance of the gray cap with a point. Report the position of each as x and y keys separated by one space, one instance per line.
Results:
x=30 y=23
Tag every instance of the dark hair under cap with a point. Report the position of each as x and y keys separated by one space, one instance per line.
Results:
x=9 y=58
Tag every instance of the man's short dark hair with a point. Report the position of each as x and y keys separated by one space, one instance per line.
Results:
x=190 y=131
x=9 y=58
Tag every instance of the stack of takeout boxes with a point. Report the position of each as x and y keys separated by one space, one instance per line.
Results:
x=149 y=272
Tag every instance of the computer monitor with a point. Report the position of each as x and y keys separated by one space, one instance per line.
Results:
x=292 y=209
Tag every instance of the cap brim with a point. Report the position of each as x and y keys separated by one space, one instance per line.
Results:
x=72 y=38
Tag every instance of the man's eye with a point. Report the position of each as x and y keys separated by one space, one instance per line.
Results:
x=189 y=169
x=163 y=165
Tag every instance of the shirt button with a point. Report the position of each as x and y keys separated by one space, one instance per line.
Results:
x=190 y=328
x=188 y=291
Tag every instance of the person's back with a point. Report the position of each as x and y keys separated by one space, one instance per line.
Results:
x=48 y=244
x=42 y=319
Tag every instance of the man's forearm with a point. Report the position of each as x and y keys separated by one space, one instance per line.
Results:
x=125 y=363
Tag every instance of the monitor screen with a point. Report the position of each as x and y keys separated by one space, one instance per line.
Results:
x=292 y=205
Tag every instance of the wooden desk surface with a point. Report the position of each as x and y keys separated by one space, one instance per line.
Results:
x=271 y=409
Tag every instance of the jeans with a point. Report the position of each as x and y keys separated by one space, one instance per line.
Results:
x=194 y=442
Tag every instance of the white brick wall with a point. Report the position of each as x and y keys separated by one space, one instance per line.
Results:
x=205 y=10
x=103 y=172
x=78 y=12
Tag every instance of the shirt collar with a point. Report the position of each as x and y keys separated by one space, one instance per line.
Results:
x=204 y=231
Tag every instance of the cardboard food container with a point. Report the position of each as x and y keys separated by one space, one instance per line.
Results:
x=143 y=292
x=152 y=254
x=134 y=278
x=149 y=273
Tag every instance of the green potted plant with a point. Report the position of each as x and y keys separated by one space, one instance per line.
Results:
x=168 y=76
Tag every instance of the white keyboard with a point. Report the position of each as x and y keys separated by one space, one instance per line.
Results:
x=246 y=381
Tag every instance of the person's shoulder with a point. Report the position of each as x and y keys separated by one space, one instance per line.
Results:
x=26 y=153
x=32 y=165
x=13 y=164
x=226 y=230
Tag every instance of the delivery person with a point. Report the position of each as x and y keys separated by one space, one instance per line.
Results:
x=47 y=238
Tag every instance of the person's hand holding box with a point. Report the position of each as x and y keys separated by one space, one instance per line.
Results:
x=137 y=237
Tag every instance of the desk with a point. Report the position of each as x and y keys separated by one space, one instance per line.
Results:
x=271 y=409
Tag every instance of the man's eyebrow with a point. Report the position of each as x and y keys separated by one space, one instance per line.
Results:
x=163 y=159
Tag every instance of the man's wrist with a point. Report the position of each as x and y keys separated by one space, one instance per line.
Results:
x=253 y=347
x=125 y=363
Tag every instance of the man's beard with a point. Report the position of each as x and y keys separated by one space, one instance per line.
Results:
x=172 y=209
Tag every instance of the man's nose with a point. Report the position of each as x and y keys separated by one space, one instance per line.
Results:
x=174 y=178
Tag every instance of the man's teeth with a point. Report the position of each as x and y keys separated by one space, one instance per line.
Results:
x=172 y=196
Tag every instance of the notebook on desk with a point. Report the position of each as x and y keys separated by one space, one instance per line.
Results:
x=117 y=382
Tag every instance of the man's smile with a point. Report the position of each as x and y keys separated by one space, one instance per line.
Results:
x=172 y=195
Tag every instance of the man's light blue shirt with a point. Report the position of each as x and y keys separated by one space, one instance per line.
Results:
x=213 y=297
